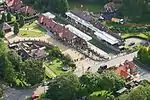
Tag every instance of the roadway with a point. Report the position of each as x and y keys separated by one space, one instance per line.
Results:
x=113 y=62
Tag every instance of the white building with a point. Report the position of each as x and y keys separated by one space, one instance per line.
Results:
x=78 y=33
x=49 y=15
x=100 y=34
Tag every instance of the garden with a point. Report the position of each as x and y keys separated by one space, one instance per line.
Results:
x=128 y=31
x=32 y=29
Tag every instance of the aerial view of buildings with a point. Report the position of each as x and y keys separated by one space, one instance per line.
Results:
x=74 y=50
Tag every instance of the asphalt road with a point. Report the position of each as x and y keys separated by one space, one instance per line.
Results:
x=14 y=94
x=113 y=62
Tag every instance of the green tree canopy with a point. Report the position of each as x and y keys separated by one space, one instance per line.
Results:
x=4 y=19
x=16 y=28
x=1 y=91
x=63 y=87
x=2 y=34
x=136 y=9
x=34 y=71
x=107 y=80
x=144 y=55
x=8 y=16
x=140 y=93
x=21 y=21
x=57 y=6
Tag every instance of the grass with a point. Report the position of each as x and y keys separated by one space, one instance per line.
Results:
x=48 y=74
x=32 y=30
x=92 y=7
x=94 y=95
x=56 y=67
x=142 y=35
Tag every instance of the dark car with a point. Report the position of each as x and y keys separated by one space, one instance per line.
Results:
x=103 y=67
x=132 y=43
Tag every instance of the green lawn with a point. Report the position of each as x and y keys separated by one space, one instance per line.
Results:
x=142 y=35
x=56 y=67
x=32 y=30
x=49 y=75
x=94 y=95
x=92 y=7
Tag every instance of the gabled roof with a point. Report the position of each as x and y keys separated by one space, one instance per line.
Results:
x=13 y=2
x=5 y=26
x=27 y=9
x=99 y=33
x=78 y=33
x=122 y=70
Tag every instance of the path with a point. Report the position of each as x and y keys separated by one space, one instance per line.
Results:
x=14 y=94
x=113 y=62
x=135 y=40
x=50 y=71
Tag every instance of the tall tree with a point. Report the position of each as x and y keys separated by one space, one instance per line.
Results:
x=140 y=93
x=16 y=28
x=2 y=34
x=63 y=87
x=34 y=71
x=8 y=16
x=21 y=21
x=4 y=19
x=17 y=16
x=107 y=80
x=1 y=91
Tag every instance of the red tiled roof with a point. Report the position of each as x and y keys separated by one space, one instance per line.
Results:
x=60 y=30
x=122 y=70
x=28 y=9
x=14 y=3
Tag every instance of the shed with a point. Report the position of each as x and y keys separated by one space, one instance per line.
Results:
x=5 y=27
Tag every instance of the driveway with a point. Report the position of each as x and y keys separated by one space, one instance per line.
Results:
x=14 y=94
x=135 y=40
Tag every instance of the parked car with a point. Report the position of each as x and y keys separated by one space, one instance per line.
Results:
x=131 y=44
x=103 y=67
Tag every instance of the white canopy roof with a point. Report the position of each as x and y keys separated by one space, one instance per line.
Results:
x=78 y=33
x=49 y=15
x=108 y=38
x=101 y=34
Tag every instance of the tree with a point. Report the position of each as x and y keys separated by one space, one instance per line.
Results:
x=57 y=6
x=142 y=93
x=21 y=21
x=9 y=73
x=9 y=16
x=107 y=80
x=16 y=28
x=17 y=16
x=63 y=87
x=1 y=92
x=33 y=70
x=15 y=59
x=90 y=82
x=135 y=9
x=2 y=34
x=143 y=55
x=111 y=81
x=4 y=17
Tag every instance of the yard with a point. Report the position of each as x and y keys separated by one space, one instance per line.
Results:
x=56 y=67
x=92 y=7
x=127 y=35
x=32 y=30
